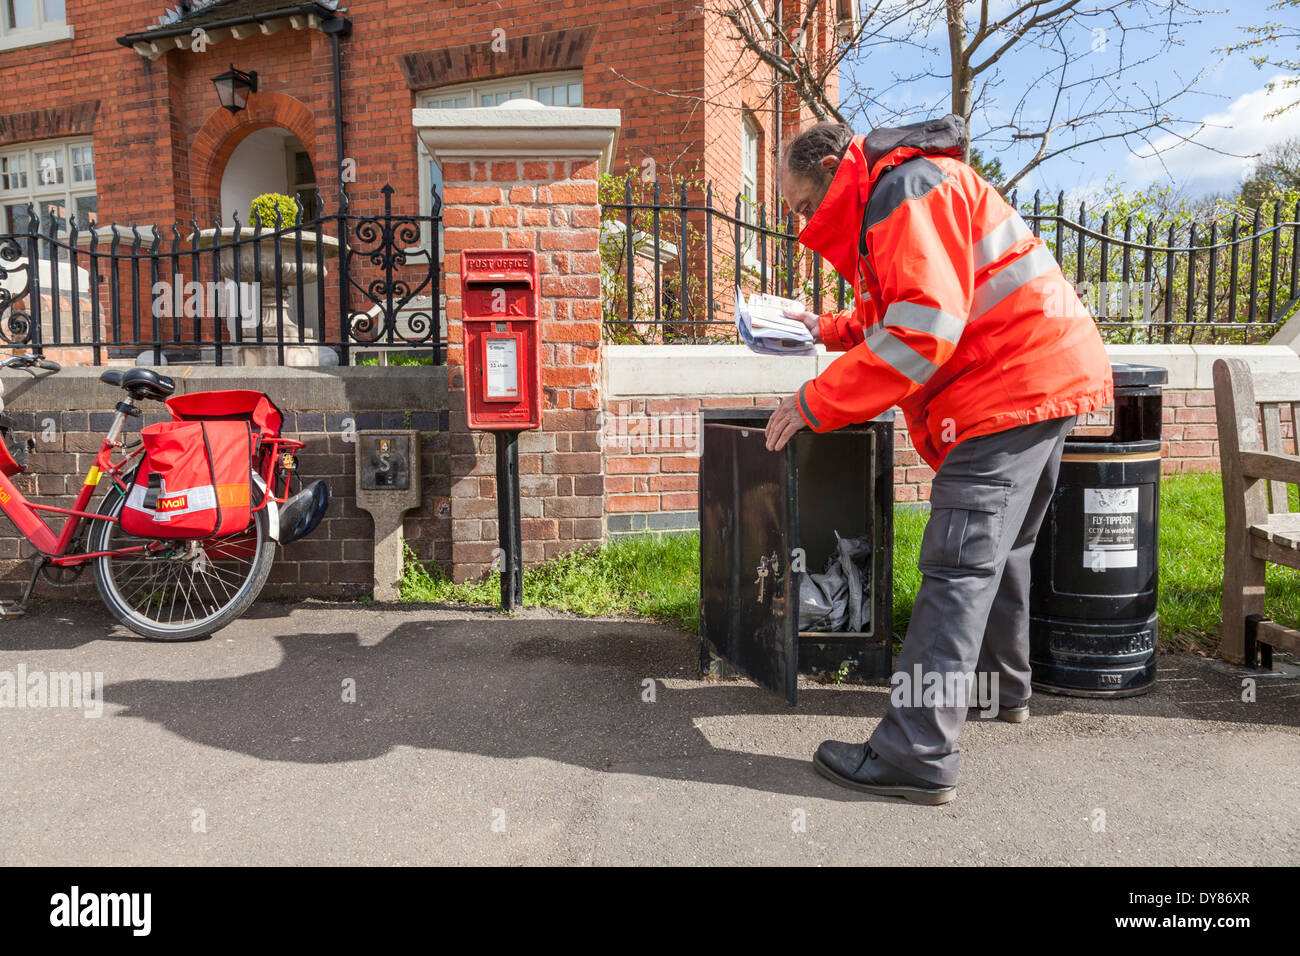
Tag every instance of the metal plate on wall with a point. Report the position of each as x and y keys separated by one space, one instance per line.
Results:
x=385 y=462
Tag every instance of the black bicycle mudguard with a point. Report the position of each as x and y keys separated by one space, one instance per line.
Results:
x=300 y=515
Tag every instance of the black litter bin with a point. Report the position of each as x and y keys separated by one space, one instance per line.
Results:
x=764 y=516
x=1093 y=627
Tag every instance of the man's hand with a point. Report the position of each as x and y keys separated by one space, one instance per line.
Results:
x=785 y=421
x=814 y=322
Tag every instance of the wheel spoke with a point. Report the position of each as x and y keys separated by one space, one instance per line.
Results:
x=185 y=584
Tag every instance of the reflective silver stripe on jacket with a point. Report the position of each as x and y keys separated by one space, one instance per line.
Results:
x=999 y=240
x=924 y=318
x=807 y=412
x=1025 y=269
x=902 y=357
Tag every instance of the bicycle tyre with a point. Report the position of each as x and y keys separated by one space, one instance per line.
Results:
x=228 y=607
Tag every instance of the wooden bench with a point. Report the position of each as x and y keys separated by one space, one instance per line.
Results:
x=1260 y=526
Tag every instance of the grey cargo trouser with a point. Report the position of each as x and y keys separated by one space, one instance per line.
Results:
x=971 y=615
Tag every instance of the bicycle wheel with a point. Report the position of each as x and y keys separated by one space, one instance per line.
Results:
x=180 y=589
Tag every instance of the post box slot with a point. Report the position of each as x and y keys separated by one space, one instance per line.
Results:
x=500 y=278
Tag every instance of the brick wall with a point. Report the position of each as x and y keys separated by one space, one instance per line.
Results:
x=161 y=138
x=1190 y=432
x=651 y=475
x=1189 y=442
x=549 y=206
x=68 y=414
x=651 y=480
x=574 y=491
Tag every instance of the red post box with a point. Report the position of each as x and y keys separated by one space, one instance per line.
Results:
x=503 y=342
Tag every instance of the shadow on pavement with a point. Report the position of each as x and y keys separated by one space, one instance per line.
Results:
x=563 y=689
x=508 y=689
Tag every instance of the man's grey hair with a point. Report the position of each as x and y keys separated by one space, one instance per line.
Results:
x=804 y=154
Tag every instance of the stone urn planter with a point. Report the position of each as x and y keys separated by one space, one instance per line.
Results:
x=272 y=309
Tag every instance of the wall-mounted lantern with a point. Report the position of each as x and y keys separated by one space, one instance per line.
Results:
x=234 y=87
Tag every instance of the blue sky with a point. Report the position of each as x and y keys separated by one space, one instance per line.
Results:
x=1231 y=99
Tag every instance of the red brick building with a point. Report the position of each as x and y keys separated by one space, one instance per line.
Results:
x=110 y=110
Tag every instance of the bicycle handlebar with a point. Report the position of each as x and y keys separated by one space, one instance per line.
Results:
x=25 y=362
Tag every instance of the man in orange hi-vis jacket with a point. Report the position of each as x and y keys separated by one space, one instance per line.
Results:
x=963 y=319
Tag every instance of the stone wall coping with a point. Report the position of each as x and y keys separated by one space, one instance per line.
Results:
x=691 y=370
x=1288 y=334
x=521 y=132
x=332 y=389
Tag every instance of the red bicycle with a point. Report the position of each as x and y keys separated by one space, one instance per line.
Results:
x=164 y=589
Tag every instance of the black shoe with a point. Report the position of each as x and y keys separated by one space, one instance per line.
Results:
x=1011 y=713
x=859 y=767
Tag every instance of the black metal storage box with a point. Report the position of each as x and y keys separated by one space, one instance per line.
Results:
x=759 y=512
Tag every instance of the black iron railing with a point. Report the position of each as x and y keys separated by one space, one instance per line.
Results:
x=670 y=269
x=307 y=294
x=1227 y=280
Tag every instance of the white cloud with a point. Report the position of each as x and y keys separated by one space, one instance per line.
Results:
x=1242 y=128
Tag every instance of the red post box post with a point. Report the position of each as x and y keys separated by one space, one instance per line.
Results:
x=503 y=380
x=503 y=344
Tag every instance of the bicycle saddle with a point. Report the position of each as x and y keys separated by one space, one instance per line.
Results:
x=140 y=382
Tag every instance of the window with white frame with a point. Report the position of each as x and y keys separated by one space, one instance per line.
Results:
x=549 y=89
x=57 y=177
x=302 y=179
x=24 y=22
x=750 y=139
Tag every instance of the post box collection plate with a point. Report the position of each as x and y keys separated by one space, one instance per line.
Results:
x=501 y=360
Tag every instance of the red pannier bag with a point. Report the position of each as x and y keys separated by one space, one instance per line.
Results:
x=193 y=481
x=234 y=404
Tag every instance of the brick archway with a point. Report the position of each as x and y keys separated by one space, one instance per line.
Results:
x=224 y=131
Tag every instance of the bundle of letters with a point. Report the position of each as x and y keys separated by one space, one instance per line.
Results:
x=764 y=327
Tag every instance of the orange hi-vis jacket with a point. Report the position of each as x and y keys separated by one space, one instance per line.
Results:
x=961 y=316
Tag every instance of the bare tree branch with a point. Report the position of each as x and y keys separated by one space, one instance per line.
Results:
x=1085 y=98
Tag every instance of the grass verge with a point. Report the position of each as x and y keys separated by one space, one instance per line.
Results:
x=657 y=576
x=1191 y=564
x=647 y=575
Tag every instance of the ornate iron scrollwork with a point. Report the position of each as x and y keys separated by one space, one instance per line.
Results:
x=15 y=323
x=392 y=263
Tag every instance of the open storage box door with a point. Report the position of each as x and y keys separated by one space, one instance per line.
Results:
x=758 y=510
x=746 y=610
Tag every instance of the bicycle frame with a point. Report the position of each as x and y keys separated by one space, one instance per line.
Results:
x=270 y=451
x=26 y=514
